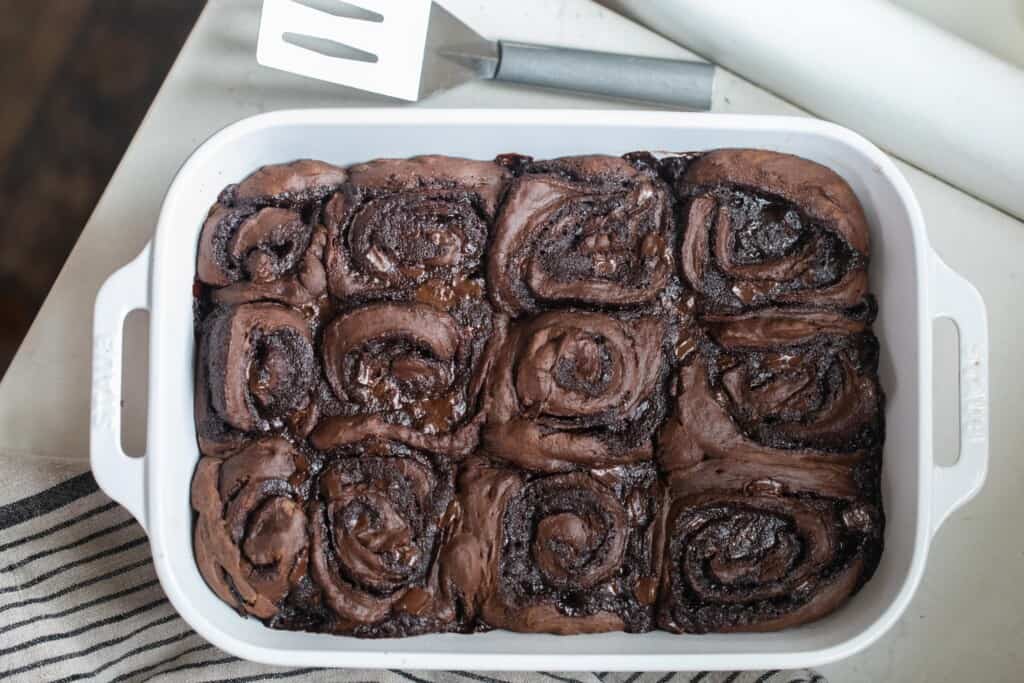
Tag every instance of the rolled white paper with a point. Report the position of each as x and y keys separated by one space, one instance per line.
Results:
x=923 y=94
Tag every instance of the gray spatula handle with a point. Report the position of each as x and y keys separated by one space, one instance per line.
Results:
x=666 y=81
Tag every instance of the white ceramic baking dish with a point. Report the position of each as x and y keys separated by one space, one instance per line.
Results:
x=914 y=288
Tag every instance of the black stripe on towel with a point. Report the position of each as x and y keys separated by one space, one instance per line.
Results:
x=732 y=677
x=560 y=678
x=193 y=665
x=633 y=676
x=98 y=646
x=408 y=676
x=667 y=677
x=78 y=608
x=68 y=546
x=476 y=677
x=131 y=653
x=51 y=637
x=49 y=500
x=75 y=586
x=149 y=667
x=699 y=677
x=266 y=677
x=71 y=565
x=57 y=527
x=763 y=678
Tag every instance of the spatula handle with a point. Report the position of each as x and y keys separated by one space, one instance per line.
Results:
x=664 y=81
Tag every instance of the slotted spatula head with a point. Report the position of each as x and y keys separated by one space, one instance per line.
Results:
x=384 y=46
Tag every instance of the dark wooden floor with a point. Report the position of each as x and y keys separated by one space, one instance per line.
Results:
x=76 y=78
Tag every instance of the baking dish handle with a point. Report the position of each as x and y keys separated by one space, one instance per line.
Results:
x=955 y=298
x=118 y=474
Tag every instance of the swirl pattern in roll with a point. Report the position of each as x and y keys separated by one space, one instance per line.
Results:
x=765 y=228
x=571 y=388
x=263 y=240
x=752 y=546
x=407 y=372
x=401 y=222
x=561 y=553
x=592 y=230
x=563 y=396
x=797 y=397
x=375 y=524
x=256 y=370
x=251 y=535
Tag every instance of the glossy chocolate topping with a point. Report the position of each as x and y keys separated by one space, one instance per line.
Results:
x=562 y=396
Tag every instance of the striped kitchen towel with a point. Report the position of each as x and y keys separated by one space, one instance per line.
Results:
x=79 y=600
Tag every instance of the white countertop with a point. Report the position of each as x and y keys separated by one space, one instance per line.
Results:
x=966 y=621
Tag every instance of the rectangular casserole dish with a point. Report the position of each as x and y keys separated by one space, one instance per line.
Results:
x=913 y=285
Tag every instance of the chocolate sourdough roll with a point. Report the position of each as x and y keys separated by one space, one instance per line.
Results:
x=399 y=223
x=256 y=370
x=263 y=240
x=297 y=183
x=774 y=326
x=575 y=389
x=439 y=395
x=375 y=524
x=594 y=230
x=764 y=228
x=407 y=371
x=251 y=536
x=800 y=394
x=758 y=546
x=562 y=553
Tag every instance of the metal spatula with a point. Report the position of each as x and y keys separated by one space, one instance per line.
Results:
x=411 y=48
